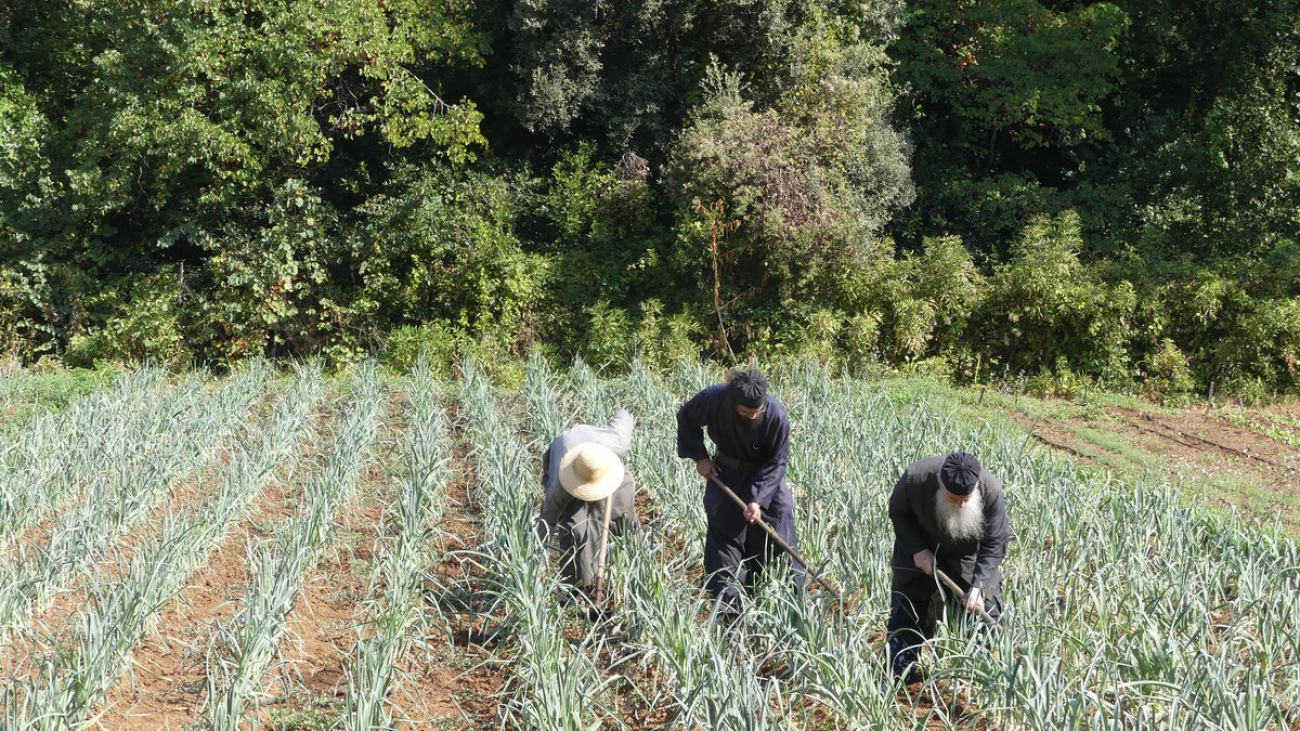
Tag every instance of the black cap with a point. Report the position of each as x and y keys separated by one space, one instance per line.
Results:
x=748 y=388
x=960 y=473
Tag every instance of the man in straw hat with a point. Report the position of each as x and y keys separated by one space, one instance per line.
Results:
x=751 y=433
x=583 y=473
x=948 y=515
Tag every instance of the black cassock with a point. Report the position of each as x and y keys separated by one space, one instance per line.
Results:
x=751 y=461
x=968 y=563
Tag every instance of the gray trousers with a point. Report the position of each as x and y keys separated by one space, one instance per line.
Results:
x=579 y=535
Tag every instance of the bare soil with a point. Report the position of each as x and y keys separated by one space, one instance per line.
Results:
x=454 y=677
x=1217 y=447
x=168 y=682
x=459 y=674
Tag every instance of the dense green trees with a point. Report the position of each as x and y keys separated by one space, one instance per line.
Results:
x=1063 y=191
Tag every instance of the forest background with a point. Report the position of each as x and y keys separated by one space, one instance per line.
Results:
x=1057 y=194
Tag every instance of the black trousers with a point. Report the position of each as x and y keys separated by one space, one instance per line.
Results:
x=914 y=608
x=736 y=551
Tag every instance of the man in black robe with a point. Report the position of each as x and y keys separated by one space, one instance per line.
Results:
x=948 y=513
x=751 y=433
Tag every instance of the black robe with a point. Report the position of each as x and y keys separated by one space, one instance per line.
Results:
x=916 y=527
x=733 y=546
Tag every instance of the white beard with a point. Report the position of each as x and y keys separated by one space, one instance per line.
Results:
x=961 y=524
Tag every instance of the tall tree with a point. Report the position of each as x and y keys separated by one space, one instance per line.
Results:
x=784 y=204
x=174 y=127
x=1008 y=99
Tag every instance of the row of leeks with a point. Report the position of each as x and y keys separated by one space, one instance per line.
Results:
x=554 y=684
x=127 y=488
x=45 y=466
x=247 y=645
x=1127 y=607
x=416 y=515
x=121 y=610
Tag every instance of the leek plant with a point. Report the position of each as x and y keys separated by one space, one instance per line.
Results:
x=417 y=512
x=45 y=466
x=555 y=687
x=249 y=643
x=126 y=491
x=121 y=610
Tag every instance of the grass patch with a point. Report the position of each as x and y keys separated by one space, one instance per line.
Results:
x=1088 y=426
x=28 y=392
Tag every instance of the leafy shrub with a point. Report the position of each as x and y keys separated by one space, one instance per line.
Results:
x=608 y=338
x=144 y=323
x=774 y=205
x=440 y=345
x=599 y=229
x=1060 y=382
x=664 y=340
x=442 y=245
x=1167 y=374
x=1047 y=309
x=860 y=337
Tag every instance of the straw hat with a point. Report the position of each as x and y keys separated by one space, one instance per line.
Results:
x=590 y=472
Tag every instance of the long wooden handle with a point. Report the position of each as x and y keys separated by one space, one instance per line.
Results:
x=988 y=618
x=600 y=554
x=771 y=533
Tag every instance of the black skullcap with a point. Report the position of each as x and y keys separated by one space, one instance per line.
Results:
x=960 y=473
x=748 y=388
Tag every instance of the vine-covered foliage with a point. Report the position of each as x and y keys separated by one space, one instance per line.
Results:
x=1060 y=192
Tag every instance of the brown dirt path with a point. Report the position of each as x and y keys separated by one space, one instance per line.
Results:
x=452 y=678
x=169 y=671
x=331 y=608
x=55 y=622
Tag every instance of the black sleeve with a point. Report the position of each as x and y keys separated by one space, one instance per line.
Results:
x=907 y=529
x=768 y=478
x=993 y=547
x=691 y=419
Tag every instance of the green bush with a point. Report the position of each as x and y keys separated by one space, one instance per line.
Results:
x=608 y=337
x=597 y=225
x=1059 y=382
x=860 y=336
x=664 y=340
x=1166 y=374
x=143 y=324
x=440 y=345
x=775 y=205
x=1046 y=309
x=442 y=245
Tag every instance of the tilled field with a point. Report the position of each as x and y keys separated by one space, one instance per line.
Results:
x=295 y=553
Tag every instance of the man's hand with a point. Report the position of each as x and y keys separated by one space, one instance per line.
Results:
x=974 y=600
x=706 y=468
x=753 y=512
x=924 y=561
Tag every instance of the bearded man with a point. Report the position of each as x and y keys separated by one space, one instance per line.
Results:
x=751 y=433
x=948 y=513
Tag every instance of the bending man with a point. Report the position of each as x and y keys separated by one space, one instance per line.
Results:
x=948 y=513
x=581 y=468
x=752 y=434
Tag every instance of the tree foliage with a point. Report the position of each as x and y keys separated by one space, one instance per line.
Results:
x=1067 y=191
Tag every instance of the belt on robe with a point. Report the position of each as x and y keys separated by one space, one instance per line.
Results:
x=736 y=464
